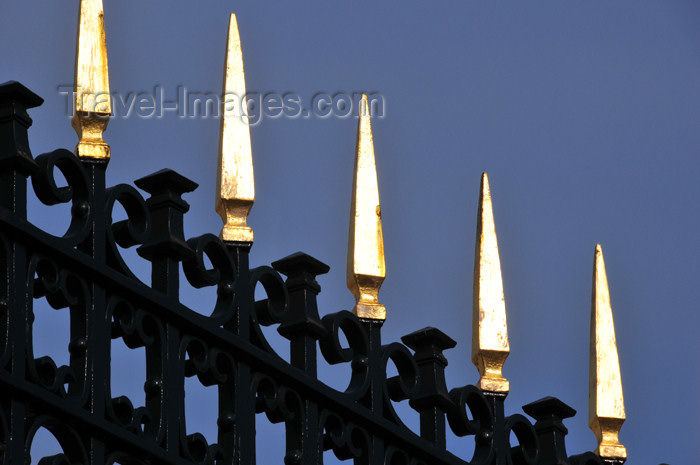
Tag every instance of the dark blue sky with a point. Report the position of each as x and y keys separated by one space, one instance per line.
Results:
x=584 y=115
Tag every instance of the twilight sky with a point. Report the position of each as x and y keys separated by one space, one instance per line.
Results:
x=584 y=115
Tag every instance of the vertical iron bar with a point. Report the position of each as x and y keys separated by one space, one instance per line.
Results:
x=16 y=164
x=377 y=374
x=432 y=399
x=98 y=328
x=165 y=249
x=303 y=328
x=500 y=440
x=244 y=400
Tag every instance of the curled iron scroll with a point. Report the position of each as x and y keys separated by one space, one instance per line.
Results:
x=212 y=366
x=222 y=273
x=395 y=456
x=480 y=424
x=528 y=450
x=62 y=289
x=201 y=453
x=70 y=441
x=269 y=311
x=76 y=191
x=137 y=328
x=356 y=353
x=278 y=402
x=345 y=439
x=127 y=233
x=405 y=385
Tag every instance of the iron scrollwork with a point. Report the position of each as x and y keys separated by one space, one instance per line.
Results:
x=77 y=191
x=83 y=273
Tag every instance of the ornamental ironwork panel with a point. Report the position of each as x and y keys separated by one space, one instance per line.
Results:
x=84 y=274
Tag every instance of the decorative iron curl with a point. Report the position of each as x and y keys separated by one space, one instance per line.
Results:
x=221 y=275
x=44 y=371
x=405 y=385
x=272 y=310
x=210 y=365
x=278 y=402
x=528 y=450
x=68 y=438
x=396 y=456
x=199 y=451
x=356 y=353
x=345 y=439
x=127 y=233
x=62 y=289
x=480 y=425
x=137 y=329
x=121 y=410
x=77 y=191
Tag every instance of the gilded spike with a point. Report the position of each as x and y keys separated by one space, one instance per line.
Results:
x=92 y=102
x=606 y=406
x=235 y=186
x=490 y=346
x=366 y=269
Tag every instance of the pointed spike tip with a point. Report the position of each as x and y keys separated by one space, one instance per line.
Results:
x=364 y=107
x=606 y=407
x=490 y=346
x=235 y=185
x=92 y=103
x=366 y=268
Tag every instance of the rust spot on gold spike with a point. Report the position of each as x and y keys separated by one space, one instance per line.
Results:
x=92 y=104
x=235 y=186
x=366 y=270
x=490 y=346
x=606 y=405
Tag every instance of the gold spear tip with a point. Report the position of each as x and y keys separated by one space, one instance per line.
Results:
x=490 y=346
x=364 y=106
x=606 y=406
x=92 y=104
x=366 y=268
x=235 y=187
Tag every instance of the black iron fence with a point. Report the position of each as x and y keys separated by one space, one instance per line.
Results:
x=83 y=273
